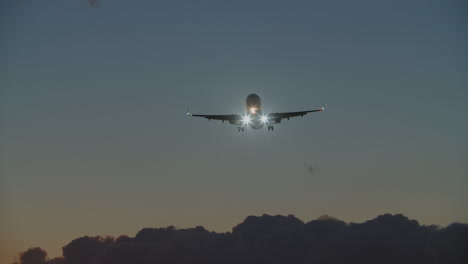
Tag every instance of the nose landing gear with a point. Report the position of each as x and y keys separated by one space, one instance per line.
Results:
x=271 y=127
x=239 y=129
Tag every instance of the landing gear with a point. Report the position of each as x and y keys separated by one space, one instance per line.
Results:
x=271 y=127
x=239 y=129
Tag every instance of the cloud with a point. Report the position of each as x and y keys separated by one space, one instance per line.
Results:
x=274 y=239
x=83 y=250
x=33 y=256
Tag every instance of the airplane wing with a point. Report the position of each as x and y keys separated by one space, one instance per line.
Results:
x=272 y=117
x=230 y=118
x=276 y=117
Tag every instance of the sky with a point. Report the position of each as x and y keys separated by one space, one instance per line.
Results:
x=94 y=139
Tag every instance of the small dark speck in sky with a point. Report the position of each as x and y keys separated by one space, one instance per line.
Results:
x=93 y=3
x=311 y=168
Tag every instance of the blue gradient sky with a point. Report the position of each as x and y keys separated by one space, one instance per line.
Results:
x=94 y=139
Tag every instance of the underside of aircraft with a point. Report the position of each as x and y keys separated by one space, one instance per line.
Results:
x=254 y=116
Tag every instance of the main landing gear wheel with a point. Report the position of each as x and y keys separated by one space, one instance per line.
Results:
x=239 y=129
x=270 y=127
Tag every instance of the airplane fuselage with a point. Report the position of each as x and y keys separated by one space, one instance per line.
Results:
x=254 y=111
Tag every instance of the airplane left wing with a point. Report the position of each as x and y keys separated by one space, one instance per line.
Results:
x=276 y=117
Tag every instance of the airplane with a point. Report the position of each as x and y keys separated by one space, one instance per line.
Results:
x=254 y=116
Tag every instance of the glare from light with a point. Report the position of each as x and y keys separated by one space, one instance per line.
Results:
x=253 y=110
x=246 y=119
x=264 y=118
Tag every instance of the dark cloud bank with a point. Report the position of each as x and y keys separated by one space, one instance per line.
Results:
x=274 y=239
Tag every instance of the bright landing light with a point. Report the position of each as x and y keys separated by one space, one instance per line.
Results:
x=253 y=110
x=246 y=119
x=264 y=119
